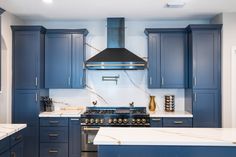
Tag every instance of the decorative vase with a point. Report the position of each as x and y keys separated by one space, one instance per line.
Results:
x=152 y=104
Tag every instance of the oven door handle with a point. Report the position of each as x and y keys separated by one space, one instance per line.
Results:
x=90 y=129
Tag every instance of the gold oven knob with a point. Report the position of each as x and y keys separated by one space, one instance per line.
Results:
x=125 y=120
x=114 y=120
x=110 y=121
x=120 y=120
x=133 y=121
x=86 y=121
x=143 y=121
x=101 y=121
x=91 y=120
x=138 y=120
x=96 y=121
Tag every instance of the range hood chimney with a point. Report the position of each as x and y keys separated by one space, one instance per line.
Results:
x=115 y=56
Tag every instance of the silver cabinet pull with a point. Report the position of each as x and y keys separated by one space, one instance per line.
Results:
x=53 y=151
x=81 y=81
x=74 y=119
x=195 y=80
x=156 y=119
x=162 y=80
x=36 y=97
x=36 y=81
x=53 y=135
x=150 y=80
x=69 y=81
x=178 y=122
x=195 y=97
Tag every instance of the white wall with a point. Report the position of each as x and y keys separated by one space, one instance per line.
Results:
x=124 y=92
x=6 y=40
x=228 y=41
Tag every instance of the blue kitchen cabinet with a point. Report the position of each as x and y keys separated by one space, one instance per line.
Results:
x=206 y=108
x=64 y=61
x=17 y=150
x=5 y=154
x=58 y=61
x=206 y=56
x=156 y=122
x=204 y=88
x=167 y=57
x=28 y=82
x=74 y=137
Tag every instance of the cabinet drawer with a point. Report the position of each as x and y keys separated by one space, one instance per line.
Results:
x=4 y=144
x=53 y=121
x=53 y=150
x=156 y=122
x=53 y=134
x=16 y=138
x=177 y=122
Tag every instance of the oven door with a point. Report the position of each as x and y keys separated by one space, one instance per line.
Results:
x=88 y=134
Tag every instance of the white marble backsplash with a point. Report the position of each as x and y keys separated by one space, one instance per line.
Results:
x=116 y=95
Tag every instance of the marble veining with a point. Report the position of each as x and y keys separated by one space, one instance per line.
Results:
x=9 y=129
x=166 y=136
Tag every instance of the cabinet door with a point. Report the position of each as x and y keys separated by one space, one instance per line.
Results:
x=26 y=110
x=17 y=150
x=58 y=61
x=154 y=61
x=5 y=154
x=78 y=71
x=26 y=46
x=206 y=51
x=206 y=108
x=74 y=137
x=173 y=58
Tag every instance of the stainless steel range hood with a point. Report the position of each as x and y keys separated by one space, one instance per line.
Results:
x=115 y=56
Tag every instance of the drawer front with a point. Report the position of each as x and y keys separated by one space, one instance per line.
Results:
x=53 y=150
x=16 y=138
x=53 y=134
x=4 y=144
x=156 y=122
x=53 y=121
x=177 y=122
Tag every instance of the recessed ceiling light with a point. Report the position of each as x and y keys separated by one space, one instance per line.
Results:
x=175 y=4
x=47 y=1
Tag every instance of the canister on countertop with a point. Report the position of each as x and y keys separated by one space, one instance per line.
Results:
x=169 y=103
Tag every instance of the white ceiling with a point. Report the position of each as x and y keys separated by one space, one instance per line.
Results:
x=130 y=9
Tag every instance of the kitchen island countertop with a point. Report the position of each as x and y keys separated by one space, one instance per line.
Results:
x=9 y=129
x=167 y=136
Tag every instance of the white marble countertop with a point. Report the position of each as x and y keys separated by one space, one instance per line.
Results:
x=166 y=136
x=177 y=114
x=9 y=129
x=62 y=113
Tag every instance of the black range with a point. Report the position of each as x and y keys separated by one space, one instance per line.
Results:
x=116 y=116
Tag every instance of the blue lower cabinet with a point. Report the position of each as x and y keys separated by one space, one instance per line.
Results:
x=74 y=137
x=53 y=122
x=5 y=154
x=53 y=150
x=53 y=134
x=31 y=141
x=165 y=151
x=156 y=122
x=177 y=122
x=4 y=145
x=17 y=150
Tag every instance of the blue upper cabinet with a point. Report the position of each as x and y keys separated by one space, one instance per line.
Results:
x=167 y=54
x=206 y=57
x=58 y=61
x=64 y=60
x=173 y=59
x=154 y=60
x=28 y=51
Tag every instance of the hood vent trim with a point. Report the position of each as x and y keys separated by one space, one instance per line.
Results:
x=116 y=57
